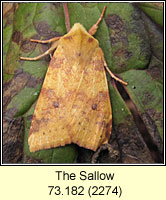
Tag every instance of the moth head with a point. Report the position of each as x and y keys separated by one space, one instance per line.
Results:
x=77 y=27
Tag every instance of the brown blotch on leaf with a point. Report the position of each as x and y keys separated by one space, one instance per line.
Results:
x=56 y=104
x=148 y=97
x=114 y=21
x=94 y=106
x=43 y=28
x=14 y=86
x=53 y=34
x=17 y=37
x=27 y=45
x=12 y=140
x=57 y=5
x=32 y=82
x=8 y=22
x=117 y=34
x=155 y=72
x=123 y=53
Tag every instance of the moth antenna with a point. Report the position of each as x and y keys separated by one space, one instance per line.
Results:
x=67 y=19
x=93 y=29
x=101 y=17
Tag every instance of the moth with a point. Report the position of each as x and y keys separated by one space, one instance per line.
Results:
x=74 y=104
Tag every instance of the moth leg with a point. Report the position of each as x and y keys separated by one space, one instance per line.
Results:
x=93 y=29
x=67 y=19
x=53 y=47
x=46 y=41
x=109 y=71
x=113 y=76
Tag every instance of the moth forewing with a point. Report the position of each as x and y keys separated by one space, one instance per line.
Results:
x=74 y=104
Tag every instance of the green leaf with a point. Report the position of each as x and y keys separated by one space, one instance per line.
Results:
x=146 y=95
x=154 y=10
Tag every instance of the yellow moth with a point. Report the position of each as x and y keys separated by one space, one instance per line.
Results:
x=74 y=104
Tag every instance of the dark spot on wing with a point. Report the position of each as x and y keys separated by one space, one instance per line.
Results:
x=55 y=104
x=94 y=106
x=90 y=40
